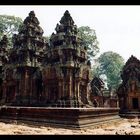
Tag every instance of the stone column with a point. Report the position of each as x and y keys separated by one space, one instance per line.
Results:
x=22 y=86
x=30 y=85
x=45 y=91
x=60 y=90
x=4 y=93
x=16 y=90
x=129 y=102
x=125 y=102
x=26 y=86
x=78 y=90
x=86 y=94
x=63 y=91
x=63 y=86
x=74 y=87
x=24 y=83
x=70 y=86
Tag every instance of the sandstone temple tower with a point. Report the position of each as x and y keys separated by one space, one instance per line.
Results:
x=66 y=68
x=52 y=74
x=22 y=82
x=129 y=90
x=48 y=82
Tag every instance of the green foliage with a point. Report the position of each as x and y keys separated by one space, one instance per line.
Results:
x=9 y=25
x=94 y=72
x=110 y=64
x=89 y=38
x=46 y=38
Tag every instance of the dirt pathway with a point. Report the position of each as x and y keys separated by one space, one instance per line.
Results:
x=121 y=127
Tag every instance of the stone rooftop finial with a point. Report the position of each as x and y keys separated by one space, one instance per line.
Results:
x=32 y=13
x=67 y=19
x=31 y=26
x=132 y=59
x=29 y=42
x=31 y=19
x=66 y=25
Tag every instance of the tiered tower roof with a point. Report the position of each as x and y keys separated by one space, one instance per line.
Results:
x=131 y=68
x=29 y=42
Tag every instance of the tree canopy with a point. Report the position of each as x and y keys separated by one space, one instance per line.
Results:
x=110 y=64
x=89 y=38
x=9 y=25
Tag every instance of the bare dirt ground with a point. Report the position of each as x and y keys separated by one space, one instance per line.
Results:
x=120 y=127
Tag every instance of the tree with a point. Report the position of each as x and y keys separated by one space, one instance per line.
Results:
x=46 y=38
x=110 y=64
x=89 y=38
x=9 y=25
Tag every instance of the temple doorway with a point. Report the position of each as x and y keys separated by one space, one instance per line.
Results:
x=135 y=103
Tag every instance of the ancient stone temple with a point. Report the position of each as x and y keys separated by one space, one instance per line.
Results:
x=129 y=90
x=41 y=74
x=66 y=68
x=22 y=81
x=48 y=82
x=101 y=97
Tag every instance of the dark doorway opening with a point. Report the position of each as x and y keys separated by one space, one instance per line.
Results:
x=135 y=103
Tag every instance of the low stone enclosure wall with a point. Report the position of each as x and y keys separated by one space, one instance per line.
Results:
x=62 y=117
x=129 y=114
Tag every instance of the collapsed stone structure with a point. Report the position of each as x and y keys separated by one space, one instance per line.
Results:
x=101 y=97
x=129 y=91
x=97 y=87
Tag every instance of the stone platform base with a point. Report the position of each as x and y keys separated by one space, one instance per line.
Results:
x=130 y=114
x=62 y=117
